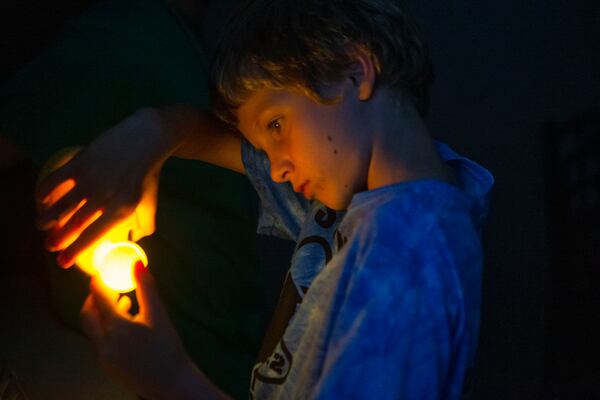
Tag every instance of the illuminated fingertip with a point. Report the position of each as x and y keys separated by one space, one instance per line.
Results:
x=124 y=304
x=139 y=267
x=64 y=261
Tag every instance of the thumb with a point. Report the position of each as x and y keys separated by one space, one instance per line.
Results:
x=144 y=223
x=146 y=293
x=140 y=232
x=90 y=322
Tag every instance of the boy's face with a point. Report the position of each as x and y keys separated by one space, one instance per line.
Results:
x=322 y=150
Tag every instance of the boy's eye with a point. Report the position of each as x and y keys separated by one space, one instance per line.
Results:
x=275 y=127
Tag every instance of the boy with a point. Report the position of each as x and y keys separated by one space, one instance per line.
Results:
x=385 y=303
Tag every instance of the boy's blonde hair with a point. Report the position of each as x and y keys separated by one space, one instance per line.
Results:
x=307 y=44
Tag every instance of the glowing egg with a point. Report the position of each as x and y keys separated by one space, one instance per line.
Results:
x=114 y=263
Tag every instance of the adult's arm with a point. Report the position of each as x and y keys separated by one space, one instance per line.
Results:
x=143 y=351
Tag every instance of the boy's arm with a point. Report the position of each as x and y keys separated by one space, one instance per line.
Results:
x=115 y=178
x=197 y=134
x=406 y=326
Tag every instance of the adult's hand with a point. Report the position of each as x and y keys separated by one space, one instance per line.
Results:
x=112 y=181
x=143 y=351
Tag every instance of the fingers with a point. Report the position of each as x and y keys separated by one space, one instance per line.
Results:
x=90 y=322
x=63 y=236
x=124 y=305
x=105 y=301
x=88 y=236
x=49 y=183
x=103 y=318
x=60 y=210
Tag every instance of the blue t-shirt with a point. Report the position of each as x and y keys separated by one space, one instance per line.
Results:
x=382 y=302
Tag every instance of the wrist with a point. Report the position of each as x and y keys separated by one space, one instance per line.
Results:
x=177 y=127
x=160 y=133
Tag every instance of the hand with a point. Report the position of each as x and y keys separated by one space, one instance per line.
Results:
x=112 y=182
x=143 y=351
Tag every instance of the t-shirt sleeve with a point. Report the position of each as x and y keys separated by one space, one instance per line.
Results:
x=399 y=331
x=282 y=211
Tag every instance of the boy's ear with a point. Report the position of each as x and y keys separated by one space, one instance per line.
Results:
x=362 y=74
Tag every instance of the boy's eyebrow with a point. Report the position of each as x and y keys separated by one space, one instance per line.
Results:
x=260 y=117
x=257 y=126
x=256 y=118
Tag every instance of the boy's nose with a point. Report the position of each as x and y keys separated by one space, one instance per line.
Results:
x=281 y=170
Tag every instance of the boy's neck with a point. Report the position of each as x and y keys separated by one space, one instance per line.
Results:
x=402 y=150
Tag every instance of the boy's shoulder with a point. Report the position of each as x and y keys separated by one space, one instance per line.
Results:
x=409 y=205
x=408 y=208
x=412 y=222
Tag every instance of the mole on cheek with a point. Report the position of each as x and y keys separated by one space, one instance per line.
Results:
x=334 y=151
x=329 y=138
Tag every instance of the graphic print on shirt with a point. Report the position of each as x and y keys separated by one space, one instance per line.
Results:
x=340 y=240
x=313 y=251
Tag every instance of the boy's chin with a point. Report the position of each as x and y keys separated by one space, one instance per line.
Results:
x=338 y=204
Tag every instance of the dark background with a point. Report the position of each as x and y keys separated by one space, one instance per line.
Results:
x=505 y=70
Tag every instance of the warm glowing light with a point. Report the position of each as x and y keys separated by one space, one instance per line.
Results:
x=114 y=263
x=86 y=259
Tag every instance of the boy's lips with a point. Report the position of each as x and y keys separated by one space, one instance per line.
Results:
x=303 y=189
